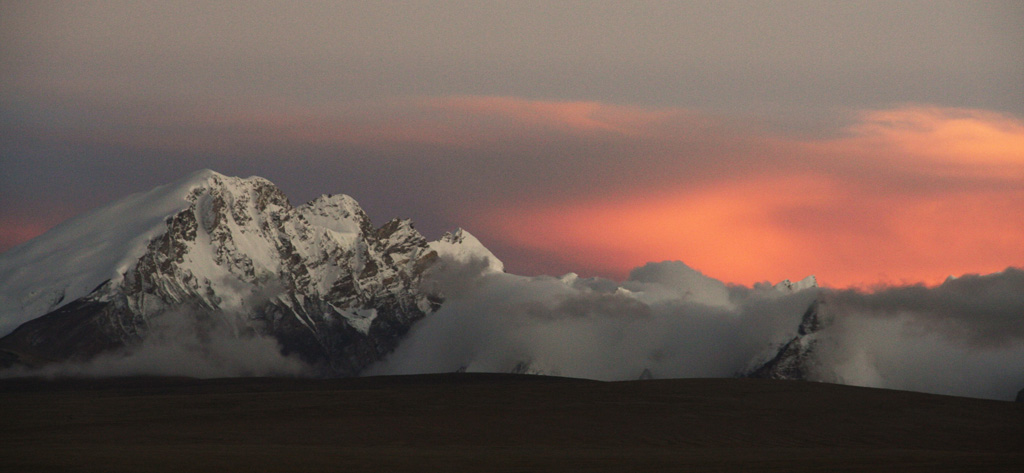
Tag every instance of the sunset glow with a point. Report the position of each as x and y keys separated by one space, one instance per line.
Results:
x=595 y=189
x=847 y=230
x=901 y=195
x=864 y=143
x=13 y=232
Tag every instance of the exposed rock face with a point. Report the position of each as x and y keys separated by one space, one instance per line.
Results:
x=794 y=360
x=319 y=278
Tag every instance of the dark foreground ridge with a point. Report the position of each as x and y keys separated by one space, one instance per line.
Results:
x=491 y=422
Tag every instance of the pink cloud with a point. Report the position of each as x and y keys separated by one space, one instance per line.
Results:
x=911 y=193
x=933 y=140
x=811 y=214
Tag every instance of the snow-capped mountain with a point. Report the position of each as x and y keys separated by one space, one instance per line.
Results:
x=789 y=287
x=229 y=255
x=319 y=278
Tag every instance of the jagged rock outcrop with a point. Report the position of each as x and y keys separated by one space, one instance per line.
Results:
x=795 y=359
x=319 y=278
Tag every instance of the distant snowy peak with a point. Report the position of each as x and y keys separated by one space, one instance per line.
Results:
x=787 y=286
x=462 y=247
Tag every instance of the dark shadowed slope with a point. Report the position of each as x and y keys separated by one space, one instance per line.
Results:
x=472 y=422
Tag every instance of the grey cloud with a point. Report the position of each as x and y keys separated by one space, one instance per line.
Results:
x=101 y=99
x=682 y=282
x=897 y=352
x=194 y=342
x=183 y=343
x=914 y=338
x=713 y=54
x=106 y=68
x=983 y=311
x=584 y=327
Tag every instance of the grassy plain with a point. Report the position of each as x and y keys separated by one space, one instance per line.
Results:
x=499 y=423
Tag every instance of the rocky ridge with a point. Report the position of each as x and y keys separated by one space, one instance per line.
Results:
x=795 y=359
x=319 y=278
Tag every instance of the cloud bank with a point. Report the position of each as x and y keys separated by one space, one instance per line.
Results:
x=963 y=337
x=960 y=338
x=186 y=343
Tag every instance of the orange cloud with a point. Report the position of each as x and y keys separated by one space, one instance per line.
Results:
x=948 y=141
x=906 y=194
x=725 y=229
x=814 y=218
x=778 y=228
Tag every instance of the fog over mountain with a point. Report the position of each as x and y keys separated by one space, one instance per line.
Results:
x=672 y=320
x=217 y=276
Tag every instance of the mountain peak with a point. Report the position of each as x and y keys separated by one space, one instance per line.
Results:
x=317 y=277
x=462 y=247
x=73 y=258
x=810 y=282
x=455 y=236
x=337 y=212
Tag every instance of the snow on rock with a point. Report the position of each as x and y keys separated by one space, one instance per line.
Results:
x=462 y=247
x=362 y=319
x=796 y=359
x=338 y=213
x=789 y=287
x=319 y=276
x=75 y=257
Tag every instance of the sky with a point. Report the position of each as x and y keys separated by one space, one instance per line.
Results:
x=864 y=142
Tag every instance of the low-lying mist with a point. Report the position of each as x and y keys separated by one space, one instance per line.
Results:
x=964 y=337
x=186 y=343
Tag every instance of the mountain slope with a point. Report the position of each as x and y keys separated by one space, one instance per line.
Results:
x=75 y=257
x=222 y=254
x=795 y=359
